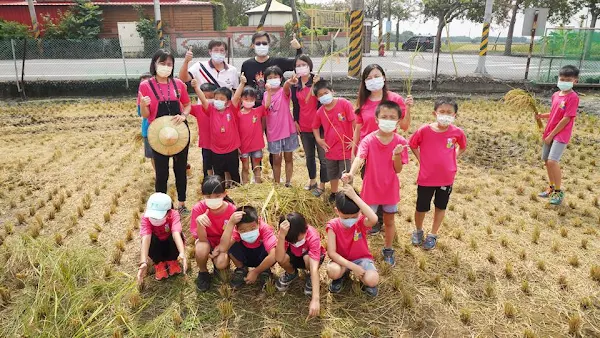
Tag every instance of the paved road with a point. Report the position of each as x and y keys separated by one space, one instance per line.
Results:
x=501 y=67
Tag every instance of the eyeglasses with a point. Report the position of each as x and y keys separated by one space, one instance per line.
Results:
x=261 y=43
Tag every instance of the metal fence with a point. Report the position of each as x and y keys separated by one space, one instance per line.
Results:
x=34 y=60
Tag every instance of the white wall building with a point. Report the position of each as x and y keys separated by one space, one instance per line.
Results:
x=279 y=14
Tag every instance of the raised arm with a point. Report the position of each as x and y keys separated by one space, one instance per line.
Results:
x=364 y=207
x=237 y=97
x=184 y=75
x=284 y=227
x=225 y=243
x=267 y=98
x=201 y=96
x=405 y=122
x=289 y=83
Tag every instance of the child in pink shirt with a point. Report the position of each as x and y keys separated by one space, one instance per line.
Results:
x=299 y=247
x=224 y=133
x=204 y=128
x=437 y=146
x=207 y=223
x=384 y=153
x=282 y=136
x=162 y=239
x=559 y=130
x=250 y=242
x=336 y=116
x=251 y=135
x=347 y=242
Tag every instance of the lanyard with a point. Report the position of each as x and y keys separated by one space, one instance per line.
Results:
x=161 y=92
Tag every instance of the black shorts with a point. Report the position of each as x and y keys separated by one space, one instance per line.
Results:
x=425 y=194
x=249 y=257
x=163 y=250
x=207 y=160
x=298 y=262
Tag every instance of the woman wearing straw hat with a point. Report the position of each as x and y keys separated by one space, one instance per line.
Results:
x=166 y=104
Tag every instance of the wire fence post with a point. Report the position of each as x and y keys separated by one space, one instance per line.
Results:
x=12 y=45
x=124 y=64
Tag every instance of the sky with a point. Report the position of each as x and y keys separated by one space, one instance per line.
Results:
x=463 y=28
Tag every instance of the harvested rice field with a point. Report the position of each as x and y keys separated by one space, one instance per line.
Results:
x=73 y=185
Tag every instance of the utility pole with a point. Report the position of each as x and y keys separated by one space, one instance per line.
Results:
x=380 y=18
x=483 y=47
x=389 y=25
x=159 y=30
x=34 y=23
x=356 y=38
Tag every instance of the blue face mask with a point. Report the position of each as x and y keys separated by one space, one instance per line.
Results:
x=220 y=105
x=326 y=99
x=349 y=222
x=250 y=236
x=565 y=85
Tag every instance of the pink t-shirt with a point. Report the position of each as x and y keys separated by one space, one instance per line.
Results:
x=280 y=123
x=172 y=224
x=308 y=110
x=266 y=237
x=337 y=124
x=224 y=133
x=366 y=117
x=145 y=90
x=350 y=243
x=438 y=154
x=251 y=130
x=562 y=106
x=217 y=222
x=312 y=245
x=203 y=126
x=381 y=185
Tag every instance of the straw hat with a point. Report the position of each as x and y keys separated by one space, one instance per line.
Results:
x=167 y=138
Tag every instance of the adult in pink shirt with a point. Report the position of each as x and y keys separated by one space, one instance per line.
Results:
x=163 y=95
x=347 y=242
x=559 y=130
x=161 y=239
x=207 y=224
x=299 y=247
x=250 y=242
x=252 y=138
x=436 y=146
x=384 y=153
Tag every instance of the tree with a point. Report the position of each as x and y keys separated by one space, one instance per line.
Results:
x=402 y=10
x=592 y=5
x=235 y=9
x=13 y=30
x=80 y=21
x=445 y=11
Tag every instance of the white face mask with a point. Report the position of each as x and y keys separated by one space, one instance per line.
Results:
x=349 y=222
x=250 y=236
x=274 y=83
x=299 y=243
x=217 y=57
x=220 y=105
x=214 y=203
x=326 y=99
x=157 y=222
x=248 y=104
x=261 y=50
x=302 y=70
x=444 y=120
x=387 y=126
x=375 y=84
x=564 y=85
x=164 y=71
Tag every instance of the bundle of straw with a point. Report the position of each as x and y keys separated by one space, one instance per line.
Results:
x=521 y=99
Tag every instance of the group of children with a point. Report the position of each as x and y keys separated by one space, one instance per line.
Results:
x=362 y=140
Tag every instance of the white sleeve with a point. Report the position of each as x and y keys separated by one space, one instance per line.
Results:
x=236 y=79
x=195 y=71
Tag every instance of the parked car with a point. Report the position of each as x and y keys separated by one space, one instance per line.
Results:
x=423 y=43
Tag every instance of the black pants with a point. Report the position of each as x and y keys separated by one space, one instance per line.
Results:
x=161 y=165
x=229 y=162
x=207 y=161
x=249 y=257
x=163 y=251
x=310 y=148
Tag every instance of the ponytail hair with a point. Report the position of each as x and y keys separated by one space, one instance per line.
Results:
x=214 y=184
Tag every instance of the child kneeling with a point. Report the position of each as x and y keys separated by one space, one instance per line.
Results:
x=250 y=243
x=347 y=242
x=299 y=247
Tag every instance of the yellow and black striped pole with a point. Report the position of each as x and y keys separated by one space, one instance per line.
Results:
x=483 y=46
x=159 y=29
x=356 y=41
x=485 y=35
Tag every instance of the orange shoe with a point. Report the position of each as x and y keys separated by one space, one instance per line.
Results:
x=174 y=268
x=160 y=271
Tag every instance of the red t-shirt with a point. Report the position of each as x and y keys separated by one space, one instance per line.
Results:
x=562 y=106
x=145 y=90
x=217 y=222
x=380 y=175
x=203 y=126
x=266 y=237
x=251 y=130
x=224 y=133
x=438 y=154
x=337 y=124
x=308 y=110
x=172 y=224
x=351 y=243
x=366 y=117
x=312 y=245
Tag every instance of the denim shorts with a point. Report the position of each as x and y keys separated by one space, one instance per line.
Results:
x=253 y=154
x=365 y=263
x=553 y=151
x=147 y=149
x=286 y=145
x=387 y=208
